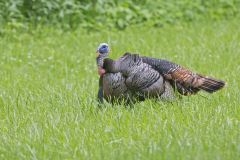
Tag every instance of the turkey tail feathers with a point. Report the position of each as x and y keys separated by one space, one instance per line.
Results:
x=211 y=85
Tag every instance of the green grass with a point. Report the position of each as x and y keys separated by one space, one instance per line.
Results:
x=49 y=82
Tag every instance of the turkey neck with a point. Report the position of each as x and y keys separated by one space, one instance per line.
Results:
x=100 y=60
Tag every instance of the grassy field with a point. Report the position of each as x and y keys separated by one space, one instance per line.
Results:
x=49 y=82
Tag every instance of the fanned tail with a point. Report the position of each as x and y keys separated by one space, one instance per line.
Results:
x=211 y=85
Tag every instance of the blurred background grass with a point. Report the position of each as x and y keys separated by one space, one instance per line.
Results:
x=96 y=14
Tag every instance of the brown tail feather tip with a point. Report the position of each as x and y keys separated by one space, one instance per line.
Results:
x=211 y=85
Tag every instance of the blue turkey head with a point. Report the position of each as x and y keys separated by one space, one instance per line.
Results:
x=102 y=53
x=103 y=48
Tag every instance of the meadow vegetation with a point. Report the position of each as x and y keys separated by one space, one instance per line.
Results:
x=95 y=14
x=49 y=83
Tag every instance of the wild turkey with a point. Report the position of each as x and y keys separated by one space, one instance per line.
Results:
x=129 y=86
x=150 y=77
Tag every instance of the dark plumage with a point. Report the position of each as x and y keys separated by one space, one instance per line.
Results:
x=135 y=77
x=130 y=79
x=140 y=77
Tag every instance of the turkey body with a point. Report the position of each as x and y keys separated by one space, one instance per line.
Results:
x=131 y=79
x=156 y=78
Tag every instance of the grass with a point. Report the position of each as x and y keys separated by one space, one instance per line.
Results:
x=49 y=82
